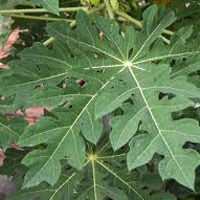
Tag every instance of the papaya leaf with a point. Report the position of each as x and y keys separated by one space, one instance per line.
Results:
x=104 y=180
x=93 y=76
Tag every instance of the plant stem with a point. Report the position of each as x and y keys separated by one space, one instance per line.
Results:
x=51 y=39
x=165 y=39
x=96 y=9
x=137 y=22
x=37 y=18
x=168 y=32
x=41 y=10
x=109 y=9
x=129 y=18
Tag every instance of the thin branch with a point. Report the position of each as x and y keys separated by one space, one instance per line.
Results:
x=48 y=41
x=109 y=9
x=165 y=39
x=114 y=156
x=92 y=10
x=37 y=18
x=41 y=10
x=129 y=18
x=51 y=39
x=96 y=9
x=137 y=22
x=168 y=32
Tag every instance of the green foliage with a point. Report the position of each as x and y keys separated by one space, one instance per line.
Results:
x=101 y=177
x=88 y=2
x=142 y=81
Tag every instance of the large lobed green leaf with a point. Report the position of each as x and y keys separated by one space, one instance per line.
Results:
x=99 y=179
x=127 y=70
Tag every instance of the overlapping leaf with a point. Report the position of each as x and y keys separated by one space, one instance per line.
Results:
x=63 y=189
x=145 y=80
x=63 y=138
x=100 y=178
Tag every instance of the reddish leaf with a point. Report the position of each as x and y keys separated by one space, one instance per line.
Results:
x=14 y=145
x=2 y=157
x=30 y=120
x=5 y=49
x=19 y=113
x=33 y=114
x=101 y=35
x=2 y=66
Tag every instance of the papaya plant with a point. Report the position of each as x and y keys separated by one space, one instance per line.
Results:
x=116 y=101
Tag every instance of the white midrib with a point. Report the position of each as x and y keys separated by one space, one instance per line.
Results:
x=112 y=40
x=48 y=58
x=165 y=56
x=88 y=45
x=11 y=131
x=37 y=81
x=121 y=179
x=70 y=128
x=94 y=180
x=90 y=118
x=159 y=130
x=144 y=44
x=62 y=185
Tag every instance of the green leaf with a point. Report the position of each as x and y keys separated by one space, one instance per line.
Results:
x=12 y=166
x=63 y=189
x=178 y=163
x=98 y=188
x=26 y=75
x=163 y=196
x=95 y=2
x=128 y=71
x=144 y=81
x=62 y=134
x=100 y=178
x=63 y=138
x=114 y=4
x=50 y=5
x=184 y=67
x=10 y=131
